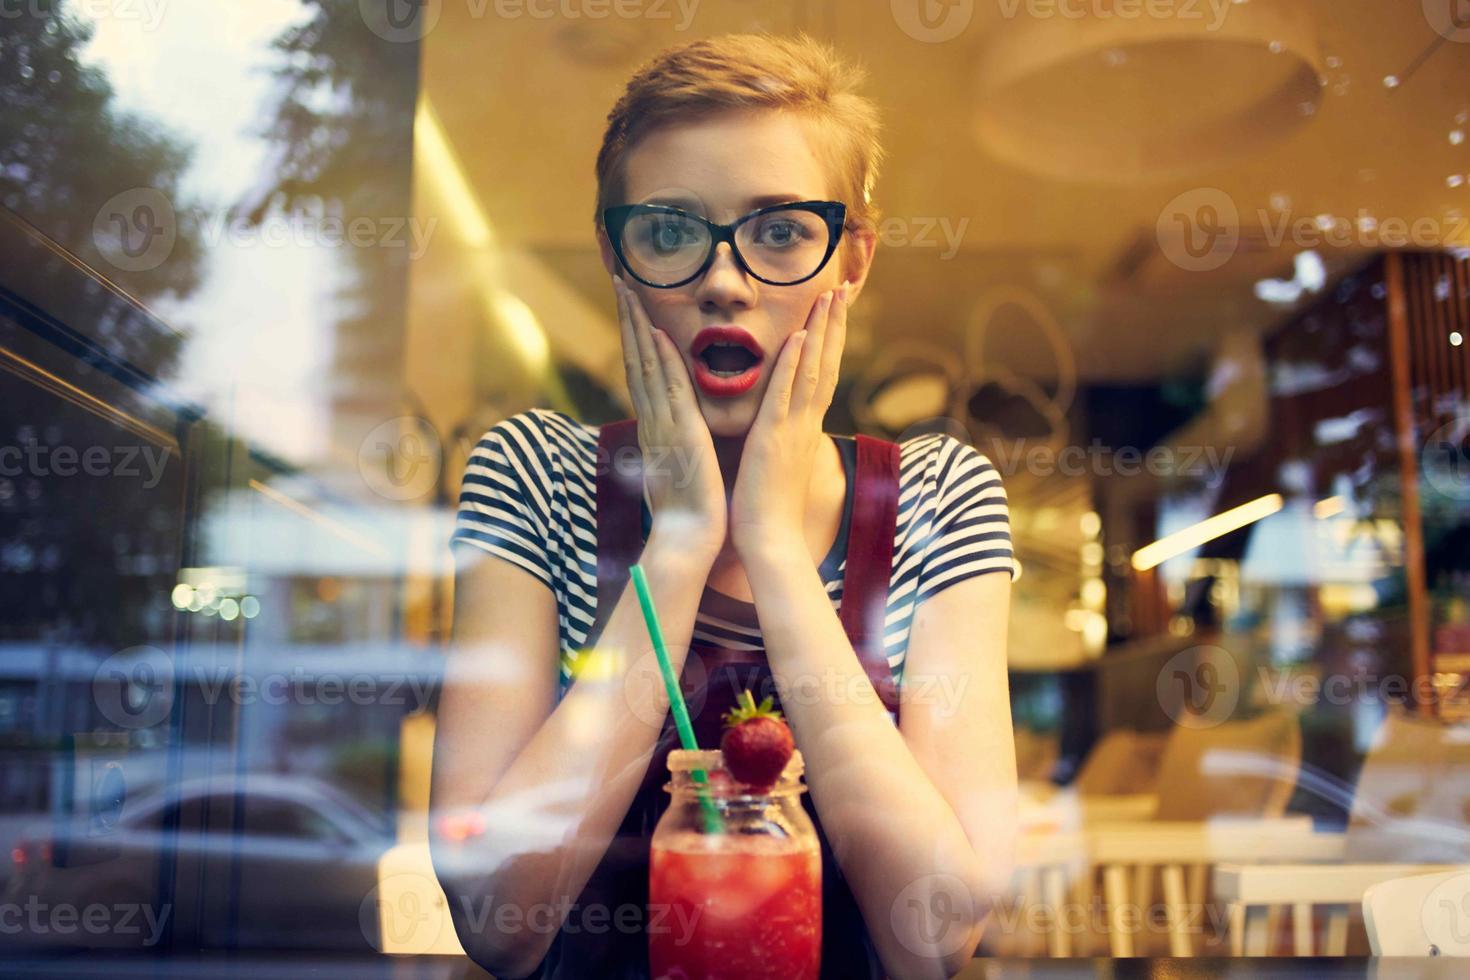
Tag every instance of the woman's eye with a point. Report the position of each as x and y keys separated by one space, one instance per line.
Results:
x=780 y=233
x=668 y=236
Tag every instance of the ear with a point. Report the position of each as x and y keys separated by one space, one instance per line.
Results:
x=605 y=250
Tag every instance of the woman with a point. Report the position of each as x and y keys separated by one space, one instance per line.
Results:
x=851 y=577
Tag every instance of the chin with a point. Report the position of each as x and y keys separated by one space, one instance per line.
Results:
x=728 y=421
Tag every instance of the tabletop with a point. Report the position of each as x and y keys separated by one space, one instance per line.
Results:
x=250 y=966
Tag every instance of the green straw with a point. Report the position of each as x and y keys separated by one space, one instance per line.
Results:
x=712 y=822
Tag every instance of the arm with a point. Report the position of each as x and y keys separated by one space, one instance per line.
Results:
x=550 y=782
x=922 y=818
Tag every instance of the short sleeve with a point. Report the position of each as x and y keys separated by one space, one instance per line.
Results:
x=971 y=531
x=503 y=499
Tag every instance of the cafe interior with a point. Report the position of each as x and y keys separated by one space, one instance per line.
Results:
x=1195 y=277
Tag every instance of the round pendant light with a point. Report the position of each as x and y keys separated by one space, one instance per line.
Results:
x=1099 y=95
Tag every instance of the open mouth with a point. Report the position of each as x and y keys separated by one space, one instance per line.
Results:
x=728 y=360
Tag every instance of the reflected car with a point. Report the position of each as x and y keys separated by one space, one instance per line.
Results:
x=257 y=861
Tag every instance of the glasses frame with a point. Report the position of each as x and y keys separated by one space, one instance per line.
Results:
x=614 y=220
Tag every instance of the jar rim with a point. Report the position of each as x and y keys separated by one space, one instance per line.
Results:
x=687 y=760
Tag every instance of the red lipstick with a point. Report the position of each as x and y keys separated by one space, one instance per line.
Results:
x=728 y=376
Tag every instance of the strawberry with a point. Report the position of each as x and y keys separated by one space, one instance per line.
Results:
x=756 y=743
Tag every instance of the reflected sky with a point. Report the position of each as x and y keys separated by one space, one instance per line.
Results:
x=260 y=324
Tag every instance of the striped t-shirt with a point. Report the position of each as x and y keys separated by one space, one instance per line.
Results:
x=529 y=496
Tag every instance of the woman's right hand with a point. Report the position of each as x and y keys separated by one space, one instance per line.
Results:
x=681 y=472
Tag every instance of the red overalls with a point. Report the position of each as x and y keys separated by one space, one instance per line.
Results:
x=621 y=878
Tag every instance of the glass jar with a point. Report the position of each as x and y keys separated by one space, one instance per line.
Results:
x=734 y=877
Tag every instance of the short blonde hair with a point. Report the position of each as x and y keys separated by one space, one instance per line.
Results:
x=752 y=71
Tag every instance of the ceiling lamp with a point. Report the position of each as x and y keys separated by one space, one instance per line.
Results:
x=1097 y=96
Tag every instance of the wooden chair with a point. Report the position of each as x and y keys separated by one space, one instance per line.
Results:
x=1422 y=915
x=1220 y=789
x=1232 y=782
x=1410 y=815
x=1124 y=762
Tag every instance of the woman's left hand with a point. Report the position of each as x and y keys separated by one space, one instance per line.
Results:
x=768 y=503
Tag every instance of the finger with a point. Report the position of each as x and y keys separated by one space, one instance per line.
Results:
x=776 y=402
x=677 y=384
x=650 y=363
x=808 y=372
x=832 y=346
x=632 y=364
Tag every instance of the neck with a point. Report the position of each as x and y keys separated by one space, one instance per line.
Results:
x=827 y=473
x=727 y=451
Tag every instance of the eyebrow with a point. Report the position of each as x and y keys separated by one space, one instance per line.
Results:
x=690 y=203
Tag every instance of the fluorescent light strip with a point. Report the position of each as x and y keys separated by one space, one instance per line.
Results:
x=436 y=156
x=1208 y=529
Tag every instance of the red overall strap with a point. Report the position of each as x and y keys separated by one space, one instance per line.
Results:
x=619 y=515
x=870 y=560
x=869 y=541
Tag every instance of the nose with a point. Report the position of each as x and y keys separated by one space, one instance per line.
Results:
x=724 y=284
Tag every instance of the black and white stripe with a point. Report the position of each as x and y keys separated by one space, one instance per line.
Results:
x=529 y=496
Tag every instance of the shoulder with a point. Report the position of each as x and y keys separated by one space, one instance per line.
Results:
x=941 y=462
x=538 y=437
